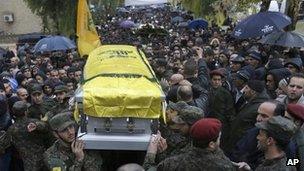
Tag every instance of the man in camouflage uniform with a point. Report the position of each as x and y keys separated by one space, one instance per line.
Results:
x=26 y=136
x=39 y=106
x=182 y=122
x=204 y=155
x=175 y=140
x=273 y=138
x=61 y=102
x=67 y=152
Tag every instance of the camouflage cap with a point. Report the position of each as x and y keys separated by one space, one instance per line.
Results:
x=61 y=121
x=279 y=127
x=177 y=106
x=36 y=88
x=60 y=88
x=188 y=115
x=20 y=106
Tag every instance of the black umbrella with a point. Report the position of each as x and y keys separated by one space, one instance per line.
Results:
x=260 y=24
x=282 y=38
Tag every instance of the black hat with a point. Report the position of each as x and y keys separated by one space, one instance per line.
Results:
x=243 y=75
x=255 y=55
x=236 y=58
x=256 y=85
x=296 y=62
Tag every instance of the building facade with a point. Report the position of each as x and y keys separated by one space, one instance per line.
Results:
x=17 y=18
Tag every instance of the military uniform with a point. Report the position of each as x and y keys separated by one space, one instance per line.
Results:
x=39 y=110
x=196 y=159
x=30 y=145
x=278 y=163
x=280 y=129
x=60 y=154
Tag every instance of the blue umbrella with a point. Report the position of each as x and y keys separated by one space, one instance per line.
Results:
x=198 y=23
x=53 y=43
x=127 y=24
x=177 y=19
x=260 y=24
x=282 y=38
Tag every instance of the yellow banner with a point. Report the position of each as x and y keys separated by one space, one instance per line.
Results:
x=87 y=37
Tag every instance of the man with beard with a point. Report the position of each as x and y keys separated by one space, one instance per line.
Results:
x=273 y=138
x=295 y=90
x=67 y=152
x=39 y=106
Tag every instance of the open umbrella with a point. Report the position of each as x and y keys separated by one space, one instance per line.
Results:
x=177 y=19
x=282 y=38
x=53 y=43
x=127 y=24
x=183 y=24
x=198 y=23
x=260 y=24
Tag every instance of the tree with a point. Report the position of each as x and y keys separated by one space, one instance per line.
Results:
x=293 y=7
x=58 y=16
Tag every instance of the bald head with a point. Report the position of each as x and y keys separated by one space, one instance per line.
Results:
x=176 y=78
x=269 y=109
x=184 y=93
x=130 y=167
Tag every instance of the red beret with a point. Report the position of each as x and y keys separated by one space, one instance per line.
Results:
x=216 y=72
x=296 y=111
x=206 y=129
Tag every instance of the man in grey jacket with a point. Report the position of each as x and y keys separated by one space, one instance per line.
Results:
x=295 y=90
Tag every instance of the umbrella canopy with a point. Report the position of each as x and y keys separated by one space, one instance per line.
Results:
x=260 y=24
x=198 y=23
x=177 y=19
x=53 y=43
x=282 y=38
x=30 y=38
x=183 y=24
x=127 y=24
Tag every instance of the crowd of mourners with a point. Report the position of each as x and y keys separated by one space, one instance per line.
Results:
x=232 y=104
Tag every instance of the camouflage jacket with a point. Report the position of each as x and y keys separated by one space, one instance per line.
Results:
x=61 y=157
x=30 y=145
x=278 y=164
x=195 y=159
x=38 y=111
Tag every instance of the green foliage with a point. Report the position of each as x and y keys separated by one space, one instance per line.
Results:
x=103 y=8
x=58 y=16
x=199 y=7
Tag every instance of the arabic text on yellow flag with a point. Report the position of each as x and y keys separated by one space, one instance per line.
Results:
x=88 y=39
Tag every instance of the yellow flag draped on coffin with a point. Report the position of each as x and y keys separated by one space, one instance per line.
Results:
x=87 y=37
x=119 y=82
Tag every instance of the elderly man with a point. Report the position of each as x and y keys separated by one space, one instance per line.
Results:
x=246 y=148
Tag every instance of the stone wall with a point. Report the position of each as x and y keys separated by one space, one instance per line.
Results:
x=24 y=20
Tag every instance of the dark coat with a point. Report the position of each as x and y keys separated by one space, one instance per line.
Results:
x=221 y=106
x=245 y=120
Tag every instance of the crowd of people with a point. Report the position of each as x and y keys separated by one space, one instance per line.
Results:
x=232 y=104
